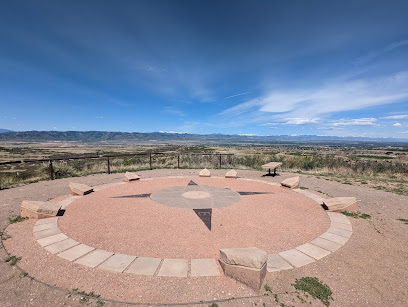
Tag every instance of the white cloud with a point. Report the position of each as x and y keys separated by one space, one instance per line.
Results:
x=237 y=95
x=397 y=125
x=404 y=132
x=208 y=100
x=380 y=52
x=331 y=128
x=269 y=124
x=301 y=121
x=402 y=116
x=294 y=121
x=354 y=122
x=330 y=98
x=173 y=111
x=242 y=107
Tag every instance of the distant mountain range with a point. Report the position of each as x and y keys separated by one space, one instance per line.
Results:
x=4 y=130
x=185 y=138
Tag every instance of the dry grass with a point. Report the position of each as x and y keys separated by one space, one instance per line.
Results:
x=386 y=174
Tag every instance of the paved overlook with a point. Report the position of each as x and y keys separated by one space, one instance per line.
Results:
x=163 y=234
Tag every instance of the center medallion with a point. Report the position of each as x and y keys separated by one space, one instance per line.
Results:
x=196 y=194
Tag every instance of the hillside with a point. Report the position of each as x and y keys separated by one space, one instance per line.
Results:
x=176 y=138
x=4 y=130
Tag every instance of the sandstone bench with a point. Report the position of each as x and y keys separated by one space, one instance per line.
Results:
x=205 y=173
x=39 y=209
x=79 y=188
x=340 y=204
x=247 y=265
x=231 y=174
x=129 y=176
x=291 y=183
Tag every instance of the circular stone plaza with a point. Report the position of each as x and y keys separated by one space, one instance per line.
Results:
x=177 y=239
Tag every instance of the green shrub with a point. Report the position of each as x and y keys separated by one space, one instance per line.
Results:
x=315 y=288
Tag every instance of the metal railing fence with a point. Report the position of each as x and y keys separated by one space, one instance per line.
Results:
x=108 y=158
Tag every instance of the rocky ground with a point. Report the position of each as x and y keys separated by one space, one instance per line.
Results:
x=370 y=270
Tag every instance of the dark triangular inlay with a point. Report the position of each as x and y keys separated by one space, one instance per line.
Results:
x=134 y=196
x=254 y=193
x=205 y=216
x=192 y=183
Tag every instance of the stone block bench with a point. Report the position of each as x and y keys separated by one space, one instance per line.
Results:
x=39 y=209
x=205 y=173
x=231 y=174
x=247 y=265
x=129 y=176
x=79 y=188
x=291 y=183
x=340 y=204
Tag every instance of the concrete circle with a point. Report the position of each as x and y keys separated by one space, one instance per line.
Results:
x=196 y=194
x=196 y=197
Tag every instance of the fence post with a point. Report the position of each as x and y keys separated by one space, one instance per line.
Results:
x=109 y=171
x=51 y=171
x=151 y=162
x=178 y=161
x=220 y=161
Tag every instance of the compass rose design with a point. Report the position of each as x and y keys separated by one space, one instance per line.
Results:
x=201 y=199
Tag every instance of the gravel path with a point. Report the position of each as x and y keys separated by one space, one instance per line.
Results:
x=370 y=270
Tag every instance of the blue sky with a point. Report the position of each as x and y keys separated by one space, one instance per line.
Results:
x=232 y=67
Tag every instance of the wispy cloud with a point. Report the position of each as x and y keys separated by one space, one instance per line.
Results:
x=173 y=111
x=379 y=52
x=269 y=124
x=236 y=95
x=397 y=125
x=396 y=117
x=354 y=122
x=326 y=124
x=336 y=96
x=301 y=121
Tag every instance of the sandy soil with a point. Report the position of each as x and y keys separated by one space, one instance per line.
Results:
x=370 y=270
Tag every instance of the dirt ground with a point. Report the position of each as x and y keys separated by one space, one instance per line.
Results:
x=371 y=269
